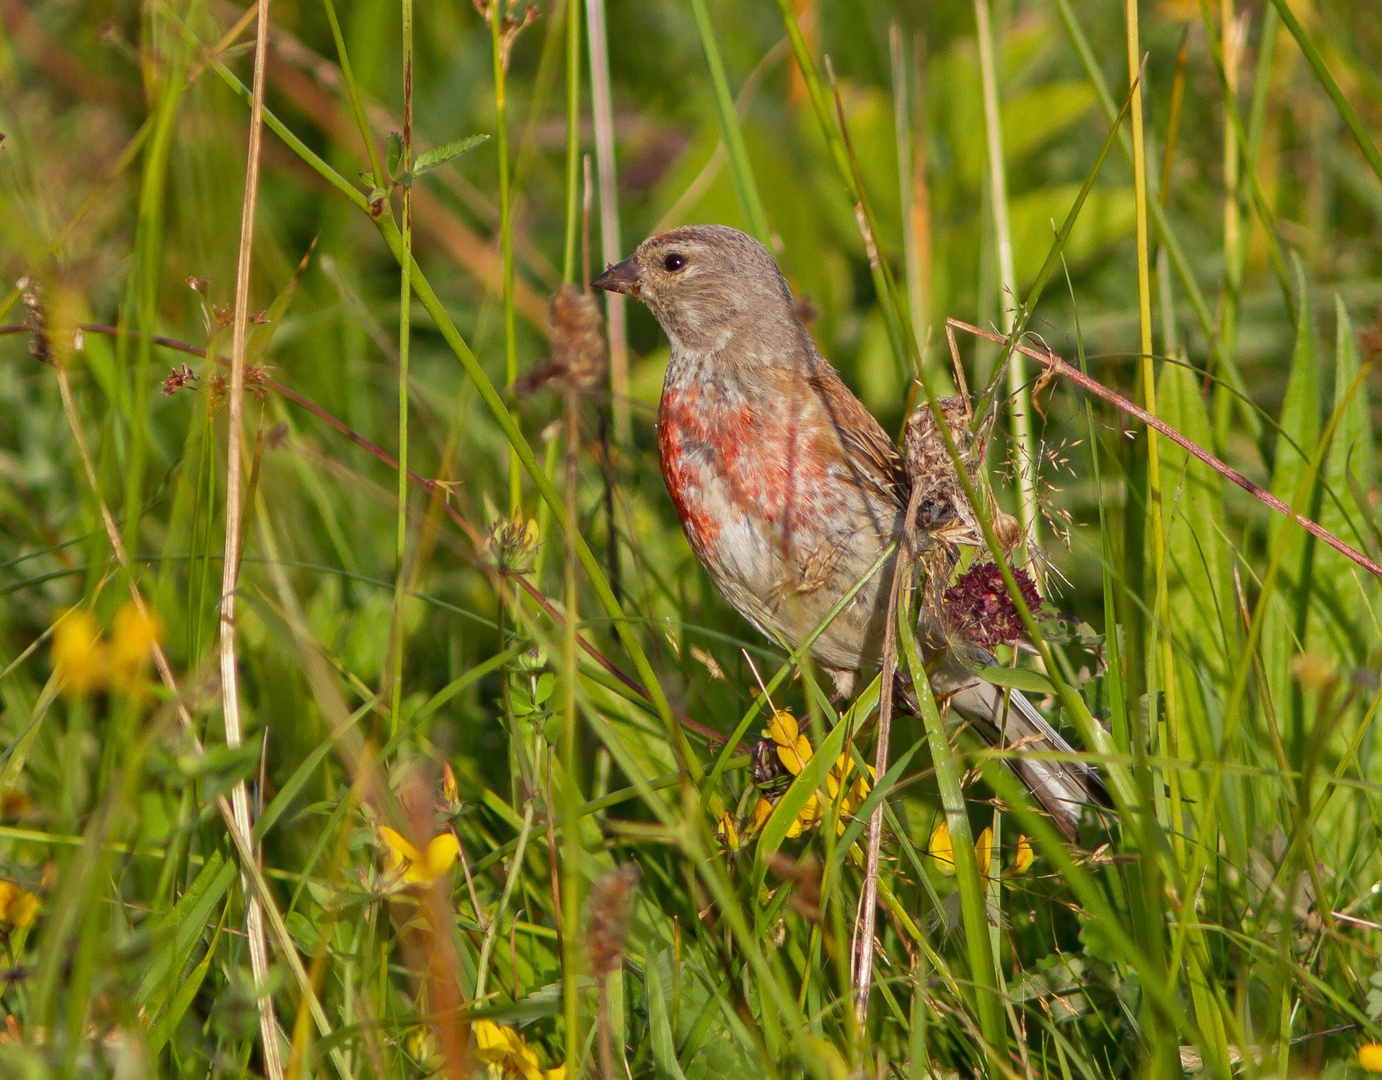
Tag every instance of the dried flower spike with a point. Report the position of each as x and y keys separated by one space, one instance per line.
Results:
x=578 y=344
x=607 y=913
x=182 y=376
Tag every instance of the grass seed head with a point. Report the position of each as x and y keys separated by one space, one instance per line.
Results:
x=607 y=915
x=578 y=342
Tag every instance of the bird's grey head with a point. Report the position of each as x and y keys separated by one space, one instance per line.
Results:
x=702 y=283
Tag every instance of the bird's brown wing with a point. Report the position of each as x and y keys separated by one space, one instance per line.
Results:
x=876 y=460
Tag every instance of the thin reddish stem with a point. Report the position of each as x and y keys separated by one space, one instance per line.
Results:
x=1200 y=454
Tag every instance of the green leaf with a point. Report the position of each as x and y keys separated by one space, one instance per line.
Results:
x=182 y=1001
x=301 y=775
x=1359 y=495
x=1343 y=620
x=663 y=1046
x=184 y=924
x=1352 y=442
x=1295 y=444
x=1108 y=215
x=393 y=153
x=1035 y=117
x=186 y=993
x=14 y=756
x=745 y=189
x=1300 y=408
x=440 y=155
x=304 y=931
x=264 y=331
x=1196 y=555
x=1025 y=679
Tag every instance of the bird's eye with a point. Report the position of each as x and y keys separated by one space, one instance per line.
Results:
x=673 y=261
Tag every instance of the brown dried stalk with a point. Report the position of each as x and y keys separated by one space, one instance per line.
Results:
x=607 y=914
x=1098 y=389
x=230 y=679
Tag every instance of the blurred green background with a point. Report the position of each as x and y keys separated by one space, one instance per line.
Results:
x=122 y=171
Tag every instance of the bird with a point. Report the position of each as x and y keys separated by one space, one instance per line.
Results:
x=789 y=490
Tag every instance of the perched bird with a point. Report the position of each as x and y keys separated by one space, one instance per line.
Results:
x=789 y=490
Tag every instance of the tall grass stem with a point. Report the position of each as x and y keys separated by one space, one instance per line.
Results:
x=616 y=311
x=741 y=173
x=405 y=300
x=573 y=140
x=1019 y=395
x=230 y=675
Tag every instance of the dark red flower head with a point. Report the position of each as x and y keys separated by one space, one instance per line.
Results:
x=979 y=609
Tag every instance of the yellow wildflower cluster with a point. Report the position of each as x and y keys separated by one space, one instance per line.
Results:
x=506 y=1054
x=942 y=850
x=848 y=787
x=86 y=661
x=413 y=867
x=18 y=907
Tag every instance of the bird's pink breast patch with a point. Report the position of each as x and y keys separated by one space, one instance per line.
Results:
x=720 y=458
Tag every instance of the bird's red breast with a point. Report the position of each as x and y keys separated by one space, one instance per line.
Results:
x=688 y=446
x=746 y=459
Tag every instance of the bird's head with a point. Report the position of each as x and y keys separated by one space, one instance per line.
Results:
x=702 y=283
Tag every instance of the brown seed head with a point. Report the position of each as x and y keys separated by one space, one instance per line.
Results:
x=181 y=376
x=578 y=338
x=942 y=512
x=607 y=914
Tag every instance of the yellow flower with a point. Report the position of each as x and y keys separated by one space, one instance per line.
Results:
x=794 y=751
x=762 y=810
x=79 y=654
x=420 y=1043
x=1370 y=1057
x=793 y=748
x=495 y=1045
x=983 y=851
x=1025 y=855
x=504 y=1050
x=727 y=832
x=806 y=817
x=856 y=793
x=132 y=640
x=18 y=907
x=417 y=867
x=940 y=848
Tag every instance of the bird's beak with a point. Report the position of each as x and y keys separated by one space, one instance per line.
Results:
x=620 y=278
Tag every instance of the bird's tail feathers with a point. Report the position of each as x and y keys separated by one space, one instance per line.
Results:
x=1062 y=788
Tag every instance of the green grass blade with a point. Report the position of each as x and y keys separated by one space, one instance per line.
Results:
x=745 y=187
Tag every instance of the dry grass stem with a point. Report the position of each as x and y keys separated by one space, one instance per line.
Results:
x=230 y=676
